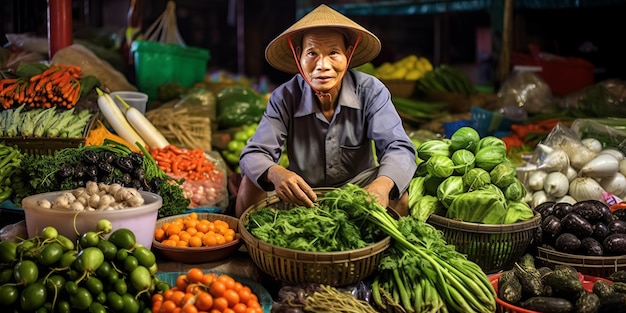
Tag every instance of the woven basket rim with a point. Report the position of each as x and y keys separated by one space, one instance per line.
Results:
x=580 y=260
x=300 y=255
x=439 y=220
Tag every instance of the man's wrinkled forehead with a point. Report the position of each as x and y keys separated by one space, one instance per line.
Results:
x=345 y=34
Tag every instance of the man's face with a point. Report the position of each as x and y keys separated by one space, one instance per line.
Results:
x=323 y=58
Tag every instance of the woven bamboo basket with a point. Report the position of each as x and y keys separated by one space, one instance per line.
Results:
x=599 y=266
x=295 y=266
x=493 y=247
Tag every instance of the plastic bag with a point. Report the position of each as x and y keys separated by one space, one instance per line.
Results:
x=209 y=192
x=165 y=28
x=611 y=132
x=14 y=232
x=526 y=90
x=604 y=99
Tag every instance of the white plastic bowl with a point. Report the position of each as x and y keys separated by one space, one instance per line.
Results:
x=140 y=220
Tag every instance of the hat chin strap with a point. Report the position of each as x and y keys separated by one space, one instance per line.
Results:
x=321 y=94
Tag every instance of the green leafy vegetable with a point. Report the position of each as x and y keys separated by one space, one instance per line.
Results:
x=464 y=138
x=430 y=148
x=476 y=178
x=463 y=160
x=486 y=205
x=440 y=166
x=518 y=211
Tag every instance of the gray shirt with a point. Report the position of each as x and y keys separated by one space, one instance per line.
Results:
x=329 y=154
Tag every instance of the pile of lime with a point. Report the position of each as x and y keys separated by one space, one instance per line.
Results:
x=240 y=138
x=102 y=271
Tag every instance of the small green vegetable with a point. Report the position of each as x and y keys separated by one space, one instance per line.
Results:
x=463 y=160
x=476 y=178
x=464 y=138
x=430 y=148
x=440 y=166
x=488 y=157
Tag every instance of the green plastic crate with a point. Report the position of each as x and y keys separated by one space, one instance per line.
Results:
x=158 y=63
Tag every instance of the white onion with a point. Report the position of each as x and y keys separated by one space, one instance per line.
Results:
x=556 y=184
x=603 y=165
x=614 y=152
x=622 y=167
x=536 y=179
x=615 y=184
x=567 y=199
x=592 y=144
x=538 y=198
x=571 y=173
x=585 y=188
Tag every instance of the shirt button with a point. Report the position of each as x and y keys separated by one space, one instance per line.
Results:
x=330 y=166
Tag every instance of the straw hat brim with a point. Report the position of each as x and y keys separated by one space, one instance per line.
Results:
x=278 y=52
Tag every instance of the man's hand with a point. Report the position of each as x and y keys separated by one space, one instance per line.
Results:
x=290 y=187
x=380 y=188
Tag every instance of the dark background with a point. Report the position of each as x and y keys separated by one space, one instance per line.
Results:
x=236 y=31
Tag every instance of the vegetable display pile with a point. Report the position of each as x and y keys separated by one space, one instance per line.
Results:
x=586 y=227
x=467 y=178
x=53 y=86
x=565 y=168
x=420 y=271
x=95 y=197
x=51 y=273
x=558 y=290
x=198 y=291
x=111 y=163
x=191 y=231
x=323 y=228
x=204 y=183
x=10 y=161
x=50 y=122
x=318 y=298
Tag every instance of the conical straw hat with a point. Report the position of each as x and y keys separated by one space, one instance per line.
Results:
x=279 y=54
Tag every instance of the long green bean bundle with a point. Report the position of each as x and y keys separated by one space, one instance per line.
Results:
x=328 y=297
x=424 y=265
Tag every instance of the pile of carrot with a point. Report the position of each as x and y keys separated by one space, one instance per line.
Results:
x=57 y=86
x=191 y=164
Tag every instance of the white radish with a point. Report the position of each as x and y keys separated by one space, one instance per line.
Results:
x=603 y=165
x=556 y=185
x=536 y=179
x=613 y=151
x=152 y=136
x=615 y=184
x=116 y=119
x=592 y=144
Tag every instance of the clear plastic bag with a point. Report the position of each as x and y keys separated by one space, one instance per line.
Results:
x=526 y=90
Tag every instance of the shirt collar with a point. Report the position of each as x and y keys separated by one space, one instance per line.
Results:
x=347 y=96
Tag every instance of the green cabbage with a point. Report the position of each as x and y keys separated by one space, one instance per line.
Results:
x=426 y=206
x=476 y=178
x=449 y=189
x=516 y=191
x=440 y=166
x=464 y=138
x=431 y=183
x=463 y=160
x=518 y=211
x=416 y=190
x=488 y=157
x=486 y=205
x=490 y=141
x=430 y=148
x=503 y=174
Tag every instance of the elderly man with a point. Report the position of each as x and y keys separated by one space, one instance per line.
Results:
x=327 y=117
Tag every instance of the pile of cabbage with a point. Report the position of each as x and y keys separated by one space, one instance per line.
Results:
x=467 y=178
